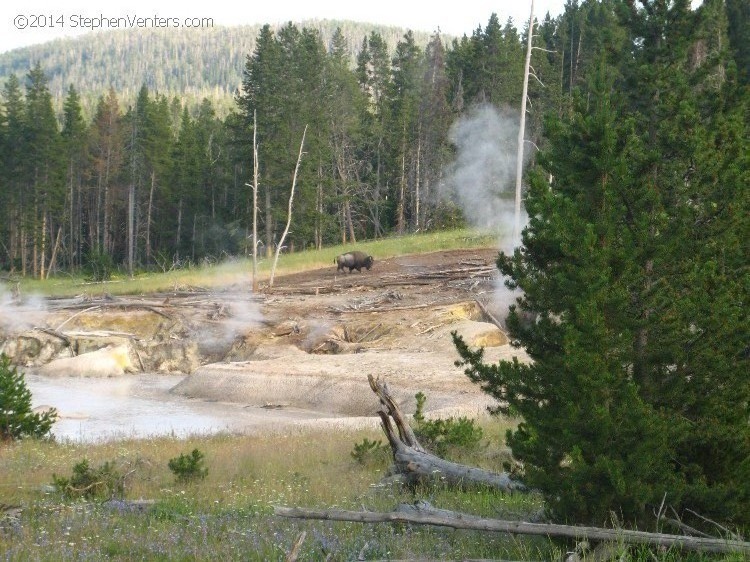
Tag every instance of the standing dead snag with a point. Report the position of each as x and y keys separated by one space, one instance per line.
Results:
x=416 y=464
x=289 y=211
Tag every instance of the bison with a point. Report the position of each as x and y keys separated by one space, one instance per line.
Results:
x=353 y=260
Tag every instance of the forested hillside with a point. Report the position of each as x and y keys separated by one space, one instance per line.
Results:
x=154 y=180
x=192 y=64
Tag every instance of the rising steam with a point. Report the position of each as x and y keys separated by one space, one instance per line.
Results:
x=17 y=314
x=481 y=181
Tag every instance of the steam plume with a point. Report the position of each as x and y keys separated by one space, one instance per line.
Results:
x=482 y=180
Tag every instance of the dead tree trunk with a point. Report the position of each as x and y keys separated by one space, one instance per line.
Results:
x=255 y=202
x=521 y=133
x=442 y=518
x=415 y=464
x=289 y=210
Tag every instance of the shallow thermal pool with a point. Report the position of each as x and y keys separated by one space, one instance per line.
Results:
x=141 y=406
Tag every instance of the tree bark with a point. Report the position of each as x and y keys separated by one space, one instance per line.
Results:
x=269 y=223
x=131 y=228
x=400 y=208
x=179 y=228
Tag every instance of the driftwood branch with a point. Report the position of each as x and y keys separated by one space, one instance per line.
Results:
x=294 y=553
x=414 y=463
x=88 y=307
x=56 y=334
x=441 y=518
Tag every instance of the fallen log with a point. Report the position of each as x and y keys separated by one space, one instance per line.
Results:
x=441 y=518
x=415 y=463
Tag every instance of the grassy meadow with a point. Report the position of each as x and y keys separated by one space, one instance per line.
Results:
x=228 y=515
x=239 y=271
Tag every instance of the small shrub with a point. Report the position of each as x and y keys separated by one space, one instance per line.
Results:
x=103 y=482
x=17 y=419
x=188 y=467
x=99 y=265
x=368 y=450
x=440 y=435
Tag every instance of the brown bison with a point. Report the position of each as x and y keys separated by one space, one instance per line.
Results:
x=353 y=260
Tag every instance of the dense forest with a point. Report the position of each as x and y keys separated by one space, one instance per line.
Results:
x=190 y=64
x=154 y=181
x=633 y=279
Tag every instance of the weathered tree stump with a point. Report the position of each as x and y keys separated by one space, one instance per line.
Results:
x=415 y=464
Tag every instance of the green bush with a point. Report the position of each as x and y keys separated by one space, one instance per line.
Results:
x=17 y=419
x=188 y=467
x=103 y=482
x=368 y=450
x=99 y=265
x=440 y=435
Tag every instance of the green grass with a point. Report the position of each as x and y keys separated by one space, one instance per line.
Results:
x=239 y=271
x=228 y=515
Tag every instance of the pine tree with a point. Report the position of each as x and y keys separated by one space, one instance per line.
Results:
x=136 y=121
x=404 y=100
x=261 y=96
x=157 y=139
x=17 y=419
x=42 y=168
x=435 y=118
x=374 y=77
x=75 y=145
x=346 y=104
x=106 y=197
x=186 y=198
x=14 y=196
x=738 y=14
x=632 y=268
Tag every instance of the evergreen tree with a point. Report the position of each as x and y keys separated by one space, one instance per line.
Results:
x=404 y=99
x=106 y=199
x=42 y=168
x=738 y=15
x=346 y=105
x=186 y=182
x=136 y=123
x=632 y=267
x=157 y=138
x=261 y=96
x=17 y=419
x=374 y=77
x=13 y=195
x=435 y=118
x=75 y=145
